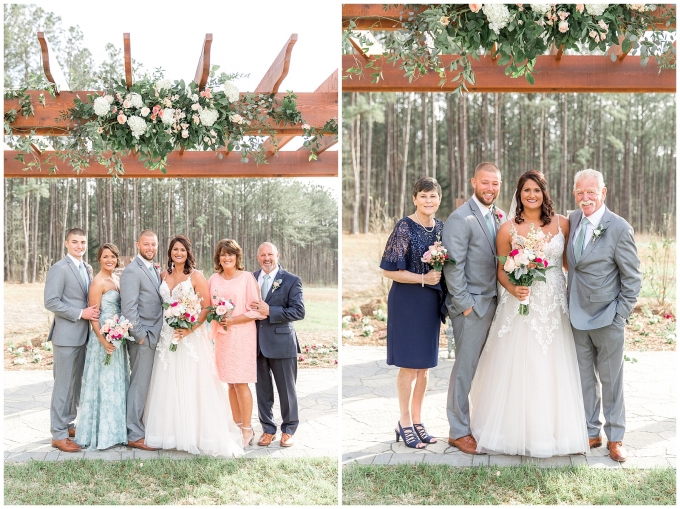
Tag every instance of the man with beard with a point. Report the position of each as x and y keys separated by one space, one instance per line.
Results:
x=603 y=284
x=470 y=237
x=141 y=303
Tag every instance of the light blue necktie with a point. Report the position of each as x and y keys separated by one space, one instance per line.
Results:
x=265 y=286
x=489 y=224
x=83 y=276
x=578 y=249
x=153 y=271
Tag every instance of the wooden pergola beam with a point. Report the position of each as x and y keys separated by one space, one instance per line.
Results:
x=375 y=17
x=316 y=109
x=191 y=164
x=51 y=66
x=572 y=73
x=203 y=68
x=329 y=86
x=128 y=60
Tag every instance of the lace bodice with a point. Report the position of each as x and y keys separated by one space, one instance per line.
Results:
x=547 y=299
x=407 y=244
x=165 y=292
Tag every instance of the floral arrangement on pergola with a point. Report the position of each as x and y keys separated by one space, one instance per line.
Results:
x=514 y=35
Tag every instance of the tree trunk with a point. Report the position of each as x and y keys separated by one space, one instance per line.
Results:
x=26 y=223
x=423 y=129
x=65 y=221
x=541 y=134
x=497 y=129
x=565 y=168
x=407 y=130
x=451 y=138
x=36 y=227
x=484 y=121
x=434 y=136
x=355 y=146
x=626 y=205
x=367 y=177
x=388 y=152
x=463 y=144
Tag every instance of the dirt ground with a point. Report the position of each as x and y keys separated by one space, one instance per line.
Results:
x=27 y=324
x=364 y=290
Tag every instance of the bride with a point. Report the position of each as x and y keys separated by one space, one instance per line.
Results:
x=188 y=407
x=526 y=395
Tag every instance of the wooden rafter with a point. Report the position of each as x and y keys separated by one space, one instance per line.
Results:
x=582 y=73
x=203 y=69
x=329 y=86
x=191 y=164
x=316 y=109
x=270 y=82
x=359 y=49
x=128 y=59
x=51 y=67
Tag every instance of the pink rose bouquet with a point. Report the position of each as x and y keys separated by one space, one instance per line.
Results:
x=182 y=312
x=436 y=256
x=220 y=309
x=116 y=330
x=526 y=262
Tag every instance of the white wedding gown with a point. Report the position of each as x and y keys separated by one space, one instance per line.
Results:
x=188 y=407
x=526 y=395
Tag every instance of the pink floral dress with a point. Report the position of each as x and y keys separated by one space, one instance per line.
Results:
x=236 y=348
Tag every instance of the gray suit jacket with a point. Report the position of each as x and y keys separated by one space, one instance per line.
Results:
x=471 y=282
x=606 y=281
x=66 y=297
x=140 y=302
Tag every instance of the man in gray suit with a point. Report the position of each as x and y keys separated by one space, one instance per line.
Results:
x=604 y=282
x=470 y=237
x=66 y=289
x=277 y=344
x=141 y=303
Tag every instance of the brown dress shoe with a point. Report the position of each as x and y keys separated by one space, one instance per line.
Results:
x=466 y=444
x=66 y=445
x=266 y=439
x=72 y=432
x=139 y=444
x=617 y=451
x=595 y=442
x=287 y=440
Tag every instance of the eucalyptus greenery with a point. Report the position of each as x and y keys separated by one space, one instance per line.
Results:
x=515 y=34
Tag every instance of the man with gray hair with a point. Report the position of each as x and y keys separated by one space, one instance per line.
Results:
x=604 y=282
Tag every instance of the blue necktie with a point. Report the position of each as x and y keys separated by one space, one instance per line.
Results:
x=265 y=286
x=578 y=249
x=489 y=224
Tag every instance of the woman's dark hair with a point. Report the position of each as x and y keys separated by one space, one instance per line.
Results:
x=113 y=249
x=190 y=264
x=231 y=247
x=426 y=184
x=547 y=210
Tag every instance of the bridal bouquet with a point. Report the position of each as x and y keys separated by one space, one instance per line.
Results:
x=116 y=330
x=436 y=256
x=526 y=262
x=221 y=309
x=182 y=312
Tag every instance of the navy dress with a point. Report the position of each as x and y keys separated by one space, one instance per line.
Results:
x=413 y=311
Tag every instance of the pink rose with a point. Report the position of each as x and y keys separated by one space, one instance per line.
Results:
x=427 y=256
x=563 y=27
x=538 y=260
x=185 y=134
x=221 y=310
x=475 y=7
x=208 y=95
x=126 y=103
x=579 y=8
x=545 y=263
x=500 y=216
x=514 y=252
x=563 y=15
x=174 y=304
x=193 y=319
x=509 y=265
x=122 y=119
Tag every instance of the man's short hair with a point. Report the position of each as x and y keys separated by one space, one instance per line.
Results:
x=146 y=233
x=75 y=231
x=486 y=167
x=589 y=173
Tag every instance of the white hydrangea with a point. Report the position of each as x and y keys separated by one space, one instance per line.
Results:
x=346 y=319
x=230 y=91
x=101 y=106
x=498 y=16
x=347 y=334
x=136 y=100
x=137 y=125
x=541 y=8
x=20 y=360
x=367 y=330
x=164 y=83
x=168 y=116
x=596 y=9
x=208 y=117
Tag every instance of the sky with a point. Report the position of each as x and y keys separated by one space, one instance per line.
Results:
x=247 y=37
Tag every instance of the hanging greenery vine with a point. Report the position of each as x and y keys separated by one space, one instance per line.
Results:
x=516 y=34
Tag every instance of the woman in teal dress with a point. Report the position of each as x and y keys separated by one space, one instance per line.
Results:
x=101 y=420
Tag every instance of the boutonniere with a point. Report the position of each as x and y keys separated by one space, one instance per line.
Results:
x=597 y=232
x=276 y=284
x=498 y=216
x=89 y=270
x=157 y=266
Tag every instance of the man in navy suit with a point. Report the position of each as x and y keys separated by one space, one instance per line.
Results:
x=277 y=344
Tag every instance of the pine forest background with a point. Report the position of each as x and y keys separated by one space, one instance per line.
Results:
x=392 y=139
x=300 y=219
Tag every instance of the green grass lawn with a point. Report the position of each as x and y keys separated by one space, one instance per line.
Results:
x=321 y=310
x=427 y=484
x=196 y=481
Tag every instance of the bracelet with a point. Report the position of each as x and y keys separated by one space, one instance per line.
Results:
x=422 y=280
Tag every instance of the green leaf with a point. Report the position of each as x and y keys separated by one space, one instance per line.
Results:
x=529 y=78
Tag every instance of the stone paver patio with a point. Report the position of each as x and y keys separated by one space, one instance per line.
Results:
x=27 y=424
x=370 y=412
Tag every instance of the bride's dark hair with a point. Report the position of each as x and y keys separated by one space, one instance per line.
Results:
x=547 y=210
x=190 y=264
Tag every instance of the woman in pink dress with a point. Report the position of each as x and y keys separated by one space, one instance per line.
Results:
x=236 y=347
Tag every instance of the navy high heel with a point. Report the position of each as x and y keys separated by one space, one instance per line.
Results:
x=423 y=435
x=410 y=438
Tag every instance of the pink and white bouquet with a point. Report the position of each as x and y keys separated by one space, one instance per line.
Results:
x=220 y=309
x=116 y=330
x=182 y=311
x=436 y=256
x=526 y=262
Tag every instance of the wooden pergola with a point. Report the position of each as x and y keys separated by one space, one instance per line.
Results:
x=317 y=108
x=554 y=73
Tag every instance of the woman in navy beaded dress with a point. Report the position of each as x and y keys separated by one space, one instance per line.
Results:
x=413 y=308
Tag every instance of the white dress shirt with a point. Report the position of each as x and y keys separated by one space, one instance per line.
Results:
x=270 y=281
x=593 y=221
x=485 y=210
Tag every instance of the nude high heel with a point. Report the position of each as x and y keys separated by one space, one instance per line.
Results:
x=247 y=440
